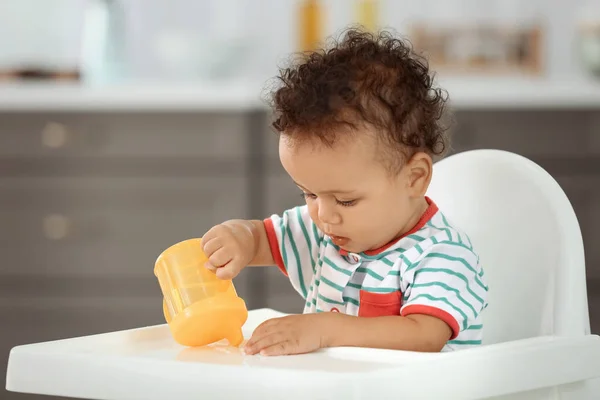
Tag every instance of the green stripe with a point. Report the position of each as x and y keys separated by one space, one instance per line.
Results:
x=339 y=269
x=308 y=242
x=447 y=225
x=395 y=272
x=450 y=272
x=450 y=289
x=460 y=260
x=419 y=249
x=416 y=237
x=459 y=238
x=316 y=233
x=469 y=240
x=431 y=225
x=452 y=243
x=455 y=244
x=283 y=251
x=313 y=301
x=387 y=262
x=443 y=300
x=354 y=285
x=434 y=240
x=333 y=285
x=369 y=272
x=474 y=327
x=474 y=342
x=347 y=299
x=449 y=234
x=407 y=262
x=298 y=263
x=351 y=300
x=340 y=303
x=444 y=220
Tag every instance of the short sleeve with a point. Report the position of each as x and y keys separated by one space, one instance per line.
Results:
x=447 y=282
x=295 y=241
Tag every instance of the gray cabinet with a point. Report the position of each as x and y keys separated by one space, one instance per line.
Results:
x=89 y=200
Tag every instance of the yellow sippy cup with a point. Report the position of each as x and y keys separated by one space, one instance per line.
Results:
x=199 y=307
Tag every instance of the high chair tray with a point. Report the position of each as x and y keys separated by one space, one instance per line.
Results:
x=147 y=364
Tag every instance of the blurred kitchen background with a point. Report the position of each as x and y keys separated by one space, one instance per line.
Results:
x=127 y=126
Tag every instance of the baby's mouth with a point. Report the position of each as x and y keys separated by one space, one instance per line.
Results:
x=339 y=240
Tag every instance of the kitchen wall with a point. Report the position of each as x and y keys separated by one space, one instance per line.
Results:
x=188 y=40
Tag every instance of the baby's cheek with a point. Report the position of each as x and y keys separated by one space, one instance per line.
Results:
x=313 y=211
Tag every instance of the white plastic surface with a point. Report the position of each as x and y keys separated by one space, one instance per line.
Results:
x=537 y=341
x=147 y=364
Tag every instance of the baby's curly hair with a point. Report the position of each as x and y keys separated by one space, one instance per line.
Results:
x=366 y=79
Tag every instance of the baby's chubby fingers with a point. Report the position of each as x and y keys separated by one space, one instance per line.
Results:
x=268 y=326
x=229 y=249
x=230 y=270
x=213 y=239
x=271 y=341
x=211 y=249
x=264 y=330
x=220 y=257
x=212 y=245
x=282 y=348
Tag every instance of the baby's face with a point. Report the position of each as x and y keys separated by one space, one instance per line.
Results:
x=350 y=194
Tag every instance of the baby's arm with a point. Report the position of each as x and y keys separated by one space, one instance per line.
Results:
x=414 y=332
x=262 y=251
x=234 y=244
x=296 y=334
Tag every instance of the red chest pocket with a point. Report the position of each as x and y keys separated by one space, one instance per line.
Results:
x=379 y=304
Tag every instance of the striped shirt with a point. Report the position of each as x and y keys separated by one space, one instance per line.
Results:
x=431 y=270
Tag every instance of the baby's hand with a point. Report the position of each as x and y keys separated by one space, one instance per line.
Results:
x=292 y=334
x=229 y=247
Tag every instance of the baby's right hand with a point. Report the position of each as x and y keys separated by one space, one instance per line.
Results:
x=230 y=247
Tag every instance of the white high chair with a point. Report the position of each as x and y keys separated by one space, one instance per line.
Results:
x=537 y=342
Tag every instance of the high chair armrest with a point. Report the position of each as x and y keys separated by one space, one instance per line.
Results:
x=490 y=370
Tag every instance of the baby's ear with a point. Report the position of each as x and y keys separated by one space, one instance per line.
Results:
x=418 y=171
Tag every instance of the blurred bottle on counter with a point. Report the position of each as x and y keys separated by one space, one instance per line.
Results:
x=103 y=42
x=367 y=12
x=310 y=24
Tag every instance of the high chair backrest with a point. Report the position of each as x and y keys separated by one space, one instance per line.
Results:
x=527 y=236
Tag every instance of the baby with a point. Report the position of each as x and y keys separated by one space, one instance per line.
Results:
x=377 y=263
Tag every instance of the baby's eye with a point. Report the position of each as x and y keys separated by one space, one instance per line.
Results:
x=346 y=203
x=308 y=195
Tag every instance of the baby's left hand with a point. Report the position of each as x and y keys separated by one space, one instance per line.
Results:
x=293 y=334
